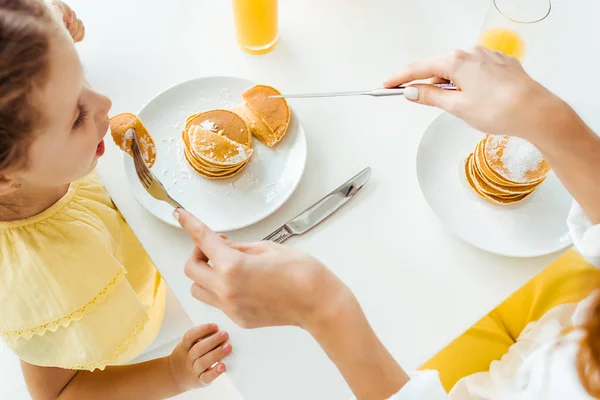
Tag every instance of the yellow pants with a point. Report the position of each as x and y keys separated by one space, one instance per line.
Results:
x=569 y=279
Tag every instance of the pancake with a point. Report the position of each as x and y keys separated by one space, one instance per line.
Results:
x=120 y=124
x=485 y=174
x=515 y=160
x=500 y=200
x=215 y=149
x=273 y=113
x=199 y=164
x=256 y=125
x=224 y=122
x=208 y=174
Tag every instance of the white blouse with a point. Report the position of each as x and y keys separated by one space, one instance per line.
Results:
x=542 y=363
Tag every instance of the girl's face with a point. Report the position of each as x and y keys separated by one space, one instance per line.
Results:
x=74 y=120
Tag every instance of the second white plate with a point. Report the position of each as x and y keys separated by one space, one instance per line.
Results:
x=534 y=227
x=224 y=205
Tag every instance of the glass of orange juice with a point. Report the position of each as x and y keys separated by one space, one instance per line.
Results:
x=510 y=23
x=256 y=24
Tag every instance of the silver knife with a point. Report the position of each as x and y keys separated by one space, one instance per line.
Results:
x=322 y=209
x=374 y=92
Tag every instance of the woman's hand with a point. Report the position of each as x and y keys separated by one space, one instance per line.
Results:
x=196 y=361
x=496 y=95
x=73 y=24
x=266 y=284
x=261 y=284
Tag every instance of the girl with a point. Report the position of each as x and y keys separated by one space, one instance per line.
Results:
x=78 y=294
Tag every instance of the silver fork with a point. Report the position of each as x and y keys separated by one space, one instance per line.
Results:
x=146 y=177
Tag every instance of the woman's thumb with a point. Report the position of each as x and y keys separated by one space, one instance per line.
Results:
x=431 y=95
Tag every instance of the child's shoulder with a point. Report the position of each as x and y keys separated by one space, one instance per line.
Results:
x=82 y=225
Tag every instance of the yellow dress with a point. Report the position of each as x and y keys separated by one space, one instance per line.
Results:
x=77 y=289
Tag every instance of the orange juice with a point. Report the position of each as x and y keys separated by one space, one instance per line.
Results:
x=256 y=24
x=505 y=40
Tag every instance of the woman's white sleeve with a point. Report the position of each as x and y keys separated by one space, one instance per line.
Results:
x=424 y=385
x=586 y=236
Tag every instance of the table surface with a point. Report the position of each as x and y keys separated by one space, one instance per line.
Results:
x=419 y=285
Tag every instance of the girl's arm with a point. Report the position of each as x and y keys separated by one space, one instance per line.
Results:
x=194 y=363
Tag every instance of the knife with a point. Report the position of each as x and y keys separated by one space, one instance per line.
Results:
x=322 y=209
x=374 y=92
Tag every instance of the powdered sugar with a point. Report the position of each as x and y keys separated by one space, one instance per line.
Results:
x=208 y=125
x=518 y=156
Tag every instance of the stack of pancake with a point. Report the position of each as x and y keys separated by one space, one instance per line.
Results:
x=119 y=127
x=217 y=143
x=505 y=170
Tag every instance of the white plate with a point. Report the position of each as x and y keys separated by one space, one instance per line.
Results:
x=225 y=205
x=534 y=227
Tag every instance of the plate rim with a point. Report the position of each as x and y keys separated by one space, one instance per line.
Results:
x=171 y=221
x=451 y=229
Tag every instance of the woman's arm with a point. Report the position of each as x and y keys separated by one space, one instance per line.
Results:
x=194 y=363
x=573 y=151
x=349 y=341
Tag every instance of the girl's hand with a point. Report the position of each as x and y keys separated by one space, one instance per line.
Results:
x=261 y=284
x=69 y=17
x=496 y=95
x=196 y=361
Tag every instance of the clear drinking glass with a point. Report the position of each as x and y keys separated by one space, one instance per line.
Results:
x=510 y=25
x=256 y=24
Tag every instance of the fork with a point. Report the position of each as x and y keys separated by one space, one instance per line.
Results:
x=146 y=177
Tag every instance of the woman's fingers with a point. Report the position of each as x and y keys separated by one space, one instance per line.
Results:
x=211 y=244
x=437 y=80
x=434 y=96
x=207 y=344
x=208 y=376
x=198 y=255
x=443 y=67
x=205 y=296
x=200 y=272
x=434 y=67
x=209 y=359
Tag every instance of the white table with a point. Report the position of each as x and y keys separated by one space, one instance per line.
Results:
x=419 y=286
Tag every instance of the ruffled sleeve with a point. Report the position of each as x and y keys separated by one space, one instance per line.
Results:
x=65 y=298
x=424 y=385
x=586 y=236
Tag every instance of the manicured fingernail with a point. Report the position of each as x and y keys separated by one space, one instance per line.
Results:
x=176 y=215
x=221 y=368
x=411 y=93
x=224 y=335
x=71 y=18
x=227 y=348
